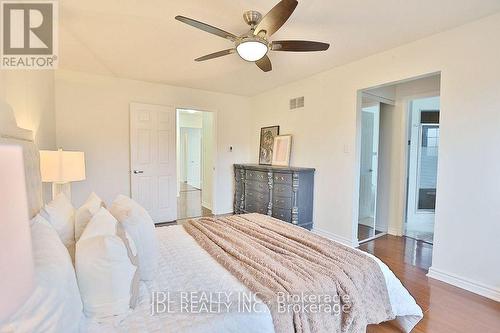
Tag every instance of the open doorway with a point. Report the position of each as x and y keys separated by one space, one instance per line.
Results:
x=422 y=167
x=194 y=163
x=398 y=152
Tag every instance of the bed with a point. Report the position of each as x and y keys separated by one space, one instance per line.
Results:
x=184 y=266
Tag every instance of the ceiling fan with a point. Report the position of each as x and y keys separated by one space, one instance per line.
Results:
x=254 y=45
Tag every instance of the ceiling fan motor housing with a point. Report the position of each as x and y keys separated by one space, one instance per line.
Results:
x=252 y=17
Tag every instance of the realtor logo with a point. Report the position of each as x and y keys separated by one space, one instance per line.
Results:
x=29 y=34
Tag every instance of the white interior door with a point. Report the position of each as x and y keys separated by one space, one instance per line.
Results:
x=370 y=121
x=194 y=157
x=153 y=164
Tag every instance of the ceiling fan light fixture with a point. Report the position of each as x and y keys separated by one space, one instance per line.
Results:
x=252 y=49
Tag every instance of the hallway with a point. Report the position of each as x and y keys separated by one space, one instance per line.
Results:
x=189 y=203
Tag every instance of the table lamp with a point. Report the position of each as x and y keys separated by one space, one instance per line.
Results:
x=16 y=258
x=61 y=168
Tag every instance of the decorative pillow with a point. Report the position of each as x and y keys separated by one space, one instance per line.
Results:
x=55 y=304
x=85 y=213
x=106 y=268
x=139 y=225
x=61 y=215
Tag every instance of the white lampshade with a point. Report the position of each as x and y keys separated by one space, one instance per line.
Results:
x=252 y=50
x=16 y=258
x=62 y=166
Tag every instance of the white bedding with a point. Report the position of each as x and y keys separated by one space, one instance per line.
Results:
x=185 y=266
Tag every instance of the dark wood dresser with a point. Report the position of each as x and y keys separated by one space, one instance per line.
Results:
x=285 y=193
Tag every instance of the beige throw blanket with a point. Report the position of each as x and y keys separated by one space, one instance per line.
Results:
x=273 y=258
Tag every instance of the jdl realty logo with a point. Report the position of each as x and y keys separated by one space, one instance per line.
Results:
x=29 y=34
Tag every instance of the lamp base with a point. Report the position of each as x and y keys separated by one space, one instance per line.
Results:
x=61 y=188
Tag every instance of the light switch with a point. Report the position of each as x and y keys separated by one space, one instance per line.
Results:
x=346 y=149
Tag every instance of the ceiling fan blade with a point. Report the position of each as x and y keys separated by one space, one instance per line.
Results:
x=276 y=17
x=264 y=63
x=298 y=46
x=216 y=55
x=206 y=27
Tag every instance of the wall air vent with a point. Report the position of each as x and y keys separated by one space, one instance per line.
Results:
x=296 y=103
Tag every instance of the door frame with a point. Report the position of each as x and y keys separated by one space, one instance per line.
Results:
x=397 y=230
x=215 y=114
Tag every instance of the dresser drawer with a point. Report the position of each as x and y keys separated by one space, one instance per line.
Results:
x=257 y=186
x=283 y=190
x=282 y=202
x=283 y=178
x=256 y=175
x=256 y=207
x=282 y=214
x=257 y=196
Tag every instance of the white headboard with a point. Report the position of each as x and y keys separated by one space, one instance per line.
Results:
x=11 y=134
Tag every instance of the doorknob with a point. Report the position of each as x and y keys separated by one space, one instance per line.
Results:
x=138 y=171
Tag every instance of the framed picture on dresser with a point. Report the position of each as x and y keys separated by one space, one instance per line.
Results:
x=267 y=135
x=282 y=147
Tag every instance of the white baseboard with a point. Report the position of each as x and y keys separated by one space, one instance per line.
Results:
x=460 y=282
x=206 y=205
x=224 y=211
x=394 y=231
x=337 y=238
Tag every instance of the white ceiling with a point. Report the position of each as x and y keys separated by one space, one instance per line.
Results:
x=141 y=40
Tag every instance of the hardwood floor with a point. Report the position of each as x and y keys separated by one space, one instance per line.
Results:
x=189 y=203
x=365 y=232
x=446 y=308
x=425 y=236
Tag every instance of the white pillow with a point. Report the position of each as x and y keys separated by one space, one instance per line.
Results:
x=61 y=215
x=141 y=228
x=54 y=305
x=106 y=268
x=85 y=213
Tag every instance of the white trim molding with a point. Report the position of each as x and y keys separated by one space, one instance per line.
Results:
x=206 y=205
x=337 y=238
x=395 y=231
x=463 y=283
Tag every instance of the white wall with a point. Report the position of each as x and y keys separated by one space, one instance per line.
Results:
x=31 y=95
x=93 y=116
x=325 y=137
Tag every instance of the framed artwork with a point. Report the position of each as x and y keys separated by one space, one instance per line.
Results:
x=267 y=135
x=281 y=150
